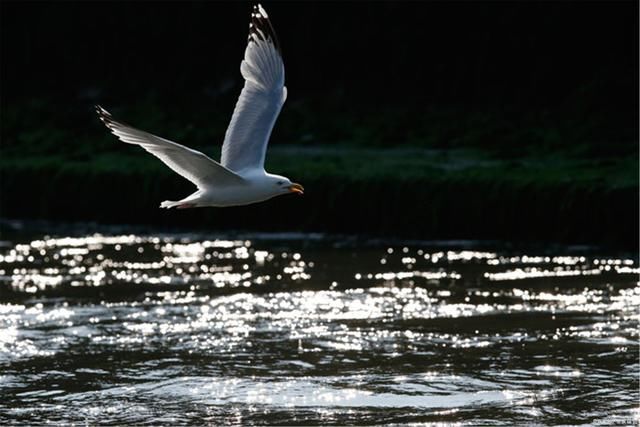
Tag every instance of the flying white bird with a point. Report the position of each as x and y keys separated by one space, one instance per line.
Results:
x=239 y=178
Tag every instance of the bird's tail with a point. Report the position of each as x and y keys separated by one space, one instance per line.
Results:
x=168 y=204
x=181 y=204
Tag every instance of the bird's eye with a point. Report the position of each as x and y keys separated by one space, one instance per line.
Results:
x=280 y=182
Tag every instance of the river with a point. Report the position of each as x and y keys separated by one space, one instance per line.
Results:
x=117 y=325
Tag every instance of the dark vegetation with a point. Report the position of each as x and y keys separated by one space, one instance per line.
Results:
x=514 y=121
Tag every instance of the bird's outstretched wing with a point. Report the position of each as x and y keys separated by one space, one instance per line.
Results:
x=245 y=143
x=190 y=164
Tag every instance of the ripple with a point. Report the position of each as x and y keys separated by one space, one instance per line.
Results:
x=170 y=329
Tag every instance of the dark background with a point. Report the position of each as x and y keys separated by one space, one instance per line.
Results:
x=559 y=61
x=511 y=80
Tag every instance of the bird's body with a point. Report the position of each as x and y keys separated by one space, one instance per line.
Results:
x=257 y=187
x=240 y=177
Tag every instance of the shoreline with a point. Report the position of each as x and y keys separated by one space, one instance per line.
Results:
x=383 y=192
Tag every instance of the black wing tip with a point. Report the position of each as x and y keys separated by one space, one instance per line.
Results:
x=104 y=116
x=101 y=111
x=260 y=27
x=257 y=9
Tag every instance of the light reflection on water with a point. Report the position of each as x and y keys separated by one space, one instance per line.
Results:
x=190 y=328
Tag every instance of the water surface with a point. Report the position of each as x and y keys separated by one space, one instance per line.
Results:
x=156 y=328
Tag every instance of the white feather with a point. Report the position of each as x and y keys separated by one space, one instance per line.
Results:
x=262 y=97
x=190 y=164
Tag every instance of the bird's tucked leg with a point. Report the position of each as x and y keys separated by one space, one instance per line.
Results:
x=186 y=206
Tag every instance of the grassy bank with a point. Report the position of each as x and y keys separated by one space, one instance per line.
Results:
x=413 y=193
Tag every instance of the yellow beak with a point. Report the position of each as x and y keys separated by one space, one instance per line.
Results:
x=296 y=188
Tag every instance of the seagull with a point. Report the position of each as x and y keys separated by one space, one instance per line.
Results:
x=239 y=178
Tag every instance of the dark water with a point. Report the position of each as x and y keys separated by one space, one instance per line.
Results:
x=307 y=329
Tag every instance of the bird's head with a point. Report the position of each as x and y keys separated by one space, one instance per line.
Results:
x=283 y=185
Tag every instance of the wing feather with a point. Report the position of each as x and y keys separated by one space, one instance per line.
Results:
x=190 y=164
x=261 y=99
